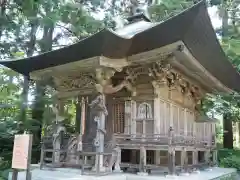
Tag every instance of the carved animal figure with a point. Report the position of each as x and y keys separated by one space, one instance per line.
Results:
x=99 y=104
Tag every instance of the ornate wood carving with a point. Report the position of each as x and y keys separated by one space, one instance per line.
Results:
x=79 y=81
x=161 y=72
x=104 y=84
x=164 y=75
x=100 y=81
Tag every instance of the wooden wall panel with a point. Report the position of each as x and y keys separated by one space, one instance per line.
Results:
x=163 y=128
x=181 y=120
x=139 y=127
x=149 y=127
x=189 y=116
x=175 y=119
x=198 y=130
x=163 y=157
x=164 y=92
x=176 y=96
x=143 y=89
x=208 y=132
x=192 y=119
x=202 y=131
x=167 y=116
x=213 y=126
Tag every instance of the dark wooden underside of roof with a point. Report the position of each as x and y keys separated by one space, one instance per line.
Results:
x=192 y=26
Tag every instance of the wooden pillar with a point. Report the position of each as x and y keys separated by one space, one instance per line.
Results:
x=184 y=160
x=101 y=113
x=185 y=122
x=157 y=111
x=215 y=157
x=128 y=116
x=171 y=115
x=171 y=153
x=83 y=114
x=207 y=156
x=157 y=114
x=195 y=157
x=171 y=149
x=133 y=128
x=118 y=160
x=143 y=160
x=42 y=155
x=101 y=127
x=134 y=114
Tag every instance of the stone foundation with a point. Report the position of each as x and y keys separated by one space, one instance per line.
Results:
x=75 y=174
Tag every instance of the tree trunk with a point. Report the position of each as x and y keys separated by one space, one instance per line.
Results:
x=39 y=104
x=227 y=121
x=37 y=116
x=2 y=16
x=24 y=97
x=228 y=131
x=224 y=20
x=30 y=51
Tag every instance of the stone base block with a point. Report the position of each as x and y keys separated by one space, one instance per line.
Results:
x=172 y=176
x=142 y=174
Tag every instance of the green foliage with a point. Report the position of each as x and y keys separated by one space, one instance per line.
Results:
x=215 y=2
x=166 y=9
x=223 y=153
x=229 y=158
x=231 y=177
x=231 y=162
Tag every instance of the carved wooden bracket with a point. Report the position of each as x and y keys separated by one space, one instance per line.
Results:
x=164 y=75
x=104 y=84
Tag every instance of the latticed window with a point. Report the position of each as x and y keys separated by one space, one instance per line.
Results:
x=118 y=117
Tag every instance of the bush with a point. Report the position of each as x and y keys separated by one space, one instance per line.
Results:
x=231 y=162
x=223 y=153
x=4 y=174
x=4 y=169
x=229 y=158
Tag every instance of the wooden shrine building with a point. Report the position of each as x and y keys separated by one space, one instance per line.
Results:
x=140 y=89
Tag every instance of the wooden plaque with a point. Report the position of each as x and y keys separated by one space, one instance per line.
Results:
x=22 y=149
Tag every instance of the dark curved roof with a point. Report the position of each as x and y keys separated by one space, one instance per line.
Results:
x=192 y=26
